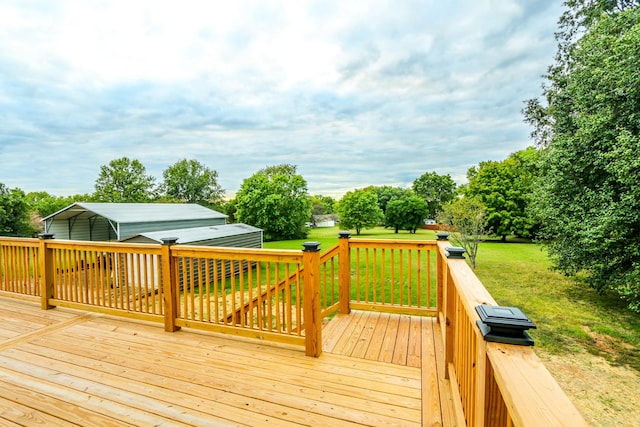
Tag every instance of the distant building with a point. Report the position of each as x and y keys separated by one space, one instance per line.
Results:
x=328 y=220
x=117 y=221
x=228 y=235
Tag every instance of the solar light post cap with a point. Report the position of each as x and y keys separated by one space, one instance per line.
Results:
x=442 y=236
x=507 y=325
x=344 y=234
x=454 y=252
x=311 y=246
x=169 y=240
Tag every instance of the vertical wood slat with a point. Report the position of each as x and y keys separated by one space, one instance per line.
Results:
x=298 y=300
x=137 y=267
x=401 y=276
x=47 y=270
x=275 y=299
x=358 y=276
x=392 y=278
x=289 y=302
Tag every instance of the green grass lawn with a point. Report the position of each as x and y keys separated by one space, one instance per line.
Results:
x=569 y=315
x=329 y=236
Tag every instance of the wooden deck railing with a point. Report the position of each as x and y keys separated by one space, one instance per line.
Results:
x=20 y=266
x=257 y=293
x=284 y=295
x=394 y=276
x=493 y=384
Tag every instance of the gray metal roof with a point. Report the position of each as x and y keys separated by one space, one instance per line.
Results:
x=197 y=234
x=137 y=212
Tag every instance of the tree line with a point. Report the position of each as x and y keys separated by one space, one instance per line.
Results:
x=276 y=198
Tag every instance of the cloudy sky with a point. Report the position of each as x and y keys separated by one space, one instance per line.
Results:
x=354 y=93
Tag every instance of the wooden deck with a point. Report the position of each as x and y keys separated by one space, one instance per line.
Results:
x=65 y=367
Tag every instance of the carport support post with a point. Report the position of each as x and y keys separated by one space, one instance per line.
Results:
x=311 y=299
x=170 y=285
x=344 y=273
x=46 y=271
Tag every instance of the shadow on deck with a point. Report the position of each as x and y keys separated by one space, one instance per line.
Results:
x=65 y=367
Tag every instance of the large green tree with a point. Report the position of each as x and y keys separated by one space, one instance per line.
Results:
x=589 y=196
x=276 y=200
x=14 y=213
x=406 y=213
x=358 y=209
x=386 y=193
x=124 y=180
x=192 y=182
x=505 y=189
x=436 y=190
x=322 y=205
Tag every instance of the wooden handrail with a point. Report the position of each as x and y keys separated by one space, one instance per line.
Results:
x=532 y=396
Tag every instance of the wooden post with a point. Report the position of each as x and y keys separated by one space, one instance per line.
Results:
x=171 y=289
x=344 y=273
x=311 y=302
x=440 y=274
x=47 y=271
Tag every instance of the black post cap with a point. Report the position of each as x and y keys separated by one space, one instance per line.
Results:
x=169 y=240
x=344 y=234
x=454 y=252
x=507 y=325
x=311 y=246
x=46 y=236
x=442 y=236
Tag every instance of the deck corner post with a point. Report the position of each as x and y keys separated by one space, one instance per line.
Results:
x=311 y=299
x=46 y=271
x=344 y=276
x=170 y=285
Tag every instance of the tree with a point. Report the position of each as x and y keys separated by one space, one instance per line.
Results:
x=465 y=220
x=44 y=204
x=579 y=17
x=387 y=193
x=322 y=205
x=122 y=181
x=14 y=213
x=276 y=200
x=505 y=190
x=192 y=182
x=359 y=209
x=407 y=213
x=436 y=190
x=589 y=196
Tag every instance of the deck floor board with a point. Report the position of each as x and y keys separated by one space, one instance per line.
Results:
x=65 y=367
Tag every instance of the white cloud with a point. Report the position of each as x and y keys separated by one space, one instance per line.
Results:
x=356 y=93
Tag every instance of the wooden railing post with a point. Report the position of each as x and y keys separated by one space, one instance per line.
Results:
x=450 y=309
x=344 y=273
x=171 y=289
x=311 y=299
x=47 y=271
x=441 y=265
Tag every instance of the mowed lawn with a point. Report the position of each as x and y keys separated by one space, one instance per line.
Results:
x=590 y=342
